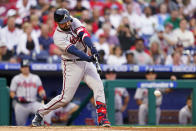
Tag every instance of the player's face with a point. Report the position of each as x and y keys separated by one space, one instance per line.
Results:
x=65 y=26
x=110 y=76
x=151 y=76
x=3 y=50
x=189 y=103
x=25 y=70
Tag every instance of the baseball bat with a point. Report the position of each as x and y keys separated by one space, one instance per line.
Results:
x=97 y=65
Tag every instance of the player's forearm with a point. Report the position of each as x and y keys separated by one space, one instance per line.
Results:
x=139 y=102
x=12 y=94
x=86 y=38
x=54 y=119
x=88 y=42
x=73 y=110
x=73 y=50
x=42 y=92
x=84 y=35
x=126 y=101
x=18 y=99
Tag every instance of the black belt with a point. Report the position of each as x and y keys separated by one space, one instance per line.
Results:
x=73 y=60
x=117 y=110
x=26 y=102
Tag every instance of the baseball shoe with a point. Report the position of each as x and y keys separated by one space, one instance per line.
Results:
x=101 y=111
x=37 y=120
x=104 y=123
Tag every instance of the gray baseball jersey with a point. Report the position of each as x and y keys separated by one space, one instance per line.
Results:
x=142 y=94
x=65 y=39
x=74 y=71
x=184 y=114
x=119 y=94
x=26 y=87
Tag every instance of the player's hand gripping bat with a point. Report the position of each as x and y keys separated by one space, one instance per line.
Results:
x=97 y=64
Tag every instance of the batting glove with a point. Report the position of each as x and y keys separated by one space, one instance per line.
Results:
x=20 y=99
x=94 y=51
x=91 y=59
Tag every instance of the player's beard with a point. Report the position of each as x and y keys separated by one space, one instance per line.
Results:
x=66 y=28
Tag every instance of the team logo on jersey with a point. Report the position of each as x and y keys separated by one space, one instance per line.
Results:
x=73 y=39
x=26 y=84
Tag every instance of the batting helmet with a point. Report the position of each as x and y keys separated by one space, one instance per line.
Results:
x=62 y=15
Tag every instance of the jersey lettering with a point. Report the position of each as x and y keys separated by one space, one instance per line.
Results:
x=73 y=39
x=26 y=84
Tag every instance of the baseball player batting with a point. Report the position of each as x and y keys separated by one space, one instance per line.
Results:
x=72 y=37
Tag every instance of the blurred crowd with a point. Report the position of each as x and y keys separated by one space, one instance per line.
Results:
x=158 y=32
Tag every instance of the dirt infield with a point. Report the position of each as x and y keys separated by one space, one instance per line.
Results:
x=93 y=128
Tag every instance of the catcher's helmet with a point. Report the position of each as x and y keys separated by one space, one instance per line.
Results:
x=61 y=16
